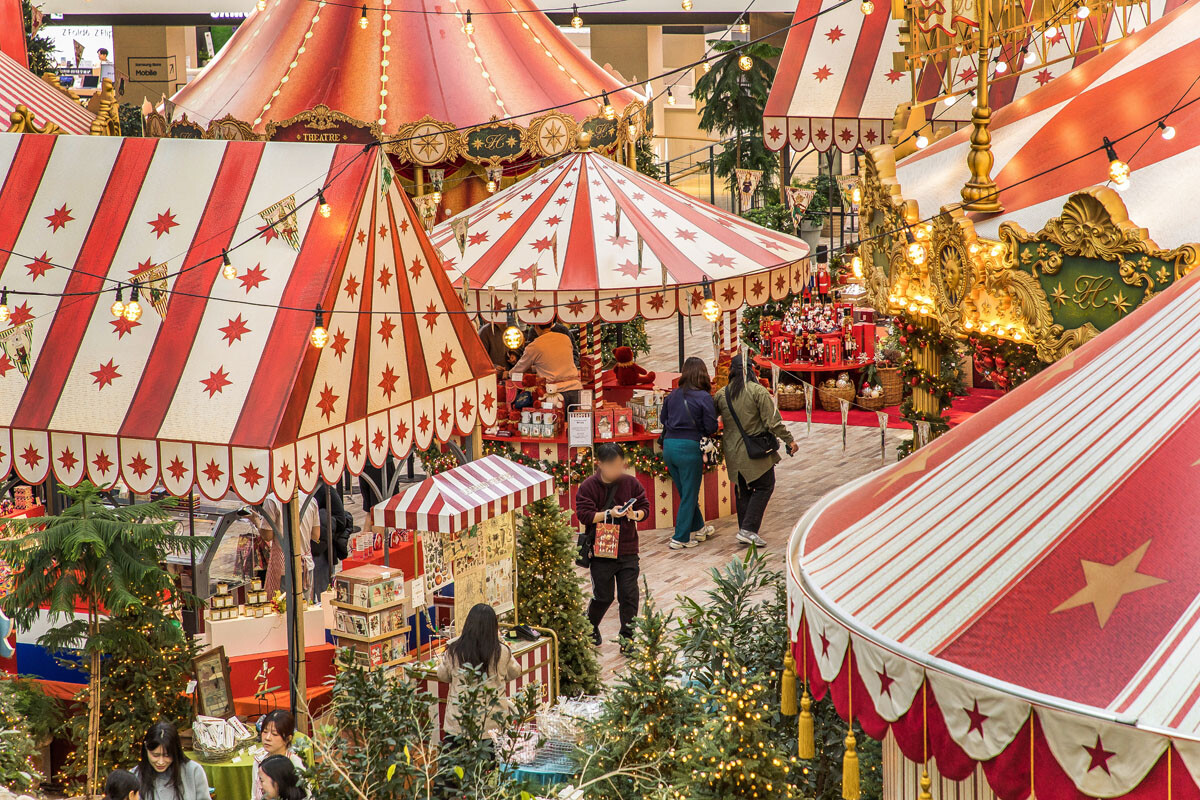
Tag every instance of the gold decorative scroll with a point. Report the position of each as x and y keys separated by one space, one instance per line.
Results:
x=21 y=121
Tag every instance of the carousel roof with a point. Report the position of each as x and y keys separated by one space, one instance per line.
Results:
x=1038 y=558
x=1126 y=88
x=229 y=394
x=20 y=87
x=837 y=86
x=587 y=238
x=12 y=31
x=298 y=54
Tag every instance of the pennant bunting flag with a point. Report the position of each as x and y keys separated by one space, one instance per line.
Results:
x=515 y=293
x=922 y=433
x=386 y=173
x=459 y=225
x=427 y=209
x=154 y=281
x=664 y=277
x=846 y=185
x=775 y=382
x=17 y=344
x=845 y=404
x=282 y=217
x=491 y=298
x=466 y=289
x=639 y=246
x=883 y=420
x=808 y=397
x=799 y=199
x=747 y=180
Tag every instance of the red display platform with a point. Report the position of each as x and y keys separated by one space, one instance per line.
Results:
x=616 y=394
x=795 y=367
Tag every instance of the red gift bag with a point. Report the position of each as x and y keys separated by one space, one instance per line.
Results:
x=608 y=538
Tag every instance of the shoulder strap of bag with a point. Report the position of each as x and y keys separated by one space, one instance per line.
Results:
x=692 y=414
x=608 y=496
x=732 y=413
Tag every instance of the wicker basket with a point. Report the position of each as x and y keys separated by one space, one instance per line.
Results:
x=791 y=401
x=893 y=385
x=870 y=403
x=831 y=395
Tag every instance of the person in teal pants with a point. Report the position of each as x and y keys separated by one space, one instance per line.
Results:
x=688 y=415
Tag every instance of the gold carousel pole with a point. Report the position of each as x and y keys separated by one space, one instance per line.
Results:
x=980 y=193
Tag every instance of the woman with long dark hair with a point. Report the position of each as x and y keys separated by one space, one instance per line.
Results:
x=478 y=645
x=277 y=732
x=121 y=785
x=165 y=773
x=279 y=779
x=688 y=416
x=752 y=426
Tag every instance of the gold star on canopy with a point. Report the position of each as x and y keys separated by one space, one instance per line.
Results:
x=1058 y=294
x=1119 y=302
x=1108 y=583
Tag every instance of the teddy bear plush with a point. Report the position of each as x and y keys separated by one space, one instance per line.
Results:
x=627 y=371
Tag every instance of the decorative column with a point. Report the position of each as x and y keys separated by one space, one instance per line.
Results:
x=590 y=353
x=980 y=192
x=927 y=359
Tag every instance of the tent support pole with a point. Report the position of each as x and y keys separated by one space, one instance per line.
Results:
x=299 y=683
x=682 y=356
x=477 y=441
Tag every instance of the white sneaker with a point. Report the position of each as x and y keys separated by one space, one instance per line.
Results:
x=746 y=537
x=678 y=545
x=704 y=533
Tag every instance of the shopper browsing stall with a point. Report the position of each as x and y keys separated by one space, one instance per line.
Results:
x=689 y=418
x=753 y=429
x=479 y=646
x=278 y=732
x=165 y=773
x=610 y=504
x=551 y=355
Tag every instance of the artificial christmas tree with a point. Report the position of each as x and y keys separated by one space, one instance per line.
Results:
x=549 y=594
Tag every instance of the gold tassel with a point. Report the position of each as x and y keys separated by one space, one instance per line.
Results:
x=806 y=746
x=925 y=786
x=787 y=686
x=850 y=784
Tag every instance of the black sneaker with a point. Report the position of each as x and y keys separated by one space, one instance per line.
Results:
x=596 y=638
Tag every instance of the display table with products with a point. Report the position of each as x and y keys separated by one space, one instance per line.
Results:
x=230 y=779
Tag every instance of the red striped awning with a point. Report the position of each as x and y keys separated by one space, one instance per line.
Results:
x=587 y=238
x=20 y=87
x=463 y=496
x=217 y=385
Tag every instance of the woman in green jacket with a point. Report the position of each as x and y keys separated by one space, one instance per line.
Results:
x=753 y=478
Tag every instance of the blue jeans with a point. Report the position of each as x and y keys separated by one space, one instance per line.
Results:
x=686 y=465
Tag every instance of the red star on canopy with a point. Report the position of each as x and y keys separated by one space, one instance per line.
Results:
x=1043 y=77
x=553 y=220
x=21 y=314
x=562 y=201
x=142 y=266
x=446 y=362
x=415 y=268
x=285 y=473
x=657 y=301
x=361 y=236
x=102 y=462
x=383 y=231
x=386 y=326
x=213 y=471
x=893 y=75
x=728 y=294
x=477 y=238
x=835 y=33
x=139 y=465
x=799 y=134
x=308 y=465
x=431 y=315
x=378 y=440
x=327 y=401
x=846 y=135
x=444 y=416
x=387 y=381
x=822 y=74
x=466 y=408
x=106 y=374
x=1099 y=756
x=268 y=233
x=177 y=469
x=630 y=267
x=822 y=135
x=528 y=196
x=423 y=423
x=234 y=331
x=720 y=259
x=162 y=224
x=885 y=681
x=870 y=136
x=123 y=326
x=251 y=475
x=774 y=133
x=60 y=218
x=757 y=289
x=504 y=215
x=39 y=266
x=619 y=241
x=617 y=304
x=385 y=278
x=31 y=456
x=67 y=459
x=967 y=74
x=5 y=364
x=697 y=298
x=351 y=288
x=340 y=340
x=575 y=306
x=687 y=235
x=252 y=277
x=542 y=244
x=780 y=282
x=356 y=447
x=488 y=400
x=534 y=304
x=658 y=213
x=401 y=432
x=216 y=381
x=526 y=274
x=824 y=644
x=976 y=718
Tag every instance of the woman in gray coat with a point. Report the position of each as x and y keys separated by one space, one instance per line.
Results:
x=753 y=478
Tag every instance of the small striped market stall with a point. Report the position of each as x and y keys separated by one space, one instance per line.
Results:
x=463 y=523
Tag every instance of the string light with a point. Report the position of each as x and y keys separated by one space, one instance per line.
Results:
x=1001 y=66
x=1082 y=11
x=1051 y=32
x=670 y=97
x=261 y=5
x=1166 y=131
x=710 y=310
x=228 y=270
x=319 y=336
x=632 y=130
x=610 y=113
x=1118 y=170
x=512 y=337
x=866 y=7
x=707 y=67
x=362 y=21
x=323 y=206
x=743 y=27
x=922 y=141
x=470 y=26
x=576 y=20
x=133 y=309
x=687 y=5
x=118 y=306
x=5 y=313
x=745 y=63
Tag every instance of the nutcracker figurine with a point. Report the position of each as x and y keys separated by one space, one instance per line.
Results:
x=823 y=273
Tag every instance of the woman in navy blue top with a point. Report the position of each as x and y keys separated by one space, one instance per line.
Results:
x=688 y=414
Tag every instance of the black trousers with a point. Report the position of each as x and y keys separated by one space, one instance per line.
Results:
x=752 y=500
x=622 y=573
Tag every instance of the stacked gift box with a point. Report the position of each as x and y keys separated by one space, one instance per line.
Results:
x=370 y=615
x=645 y=410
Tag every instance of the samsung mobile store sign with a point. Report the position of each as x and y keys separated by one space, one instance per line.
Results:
x=155 y=68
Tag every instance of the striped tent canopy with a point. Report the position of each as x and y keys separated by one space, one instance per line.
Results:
x=217 y=385
x=463 y=496
x=837 y=85
x=1041 y=143
x=1022 y=595
x=20 y=87
x=587 y=239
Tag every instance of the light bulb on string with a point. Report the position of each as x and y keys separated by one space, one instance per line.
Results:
x=576 y=20
x=1166 y=131
x=469 y=27
x=261 y=5
x=133 y=309
x=228 y=270
x=512 y=337
x=711 y=310
x=1001 y=66
x=866 y=7
x=319 y=336
x=1118 y=170
x=118 y=306
x=743 y=27
x=1051 y=32
x=687 y=5
x=491 y=186
x=922 y=141
x=951 y=100
x=610 y=113
x=745 y=63
x=322 y=206
x=631 y=129
x=1081 y=10
x=670 y=97
x=5 y=312
x=362 y=21
x=707 y=67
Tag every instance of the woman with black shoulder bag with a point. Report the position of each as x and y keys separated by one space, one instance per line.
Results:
x=689 y=423
x=753 y=429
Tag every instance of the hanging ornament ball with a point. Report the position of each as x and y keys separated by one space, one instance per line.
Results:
x=745 y=63
x=583 y=140
x=903 y=340
x=914 y=380
x=711 y=310
x=513 y=337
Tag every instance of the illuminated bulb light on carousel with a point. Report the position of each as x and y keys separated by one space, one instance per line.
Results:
x=5 y=311
x=916 y=253
x=228 y=270
x=711 y=310
x=866 y=7
x=576 y=20
x=133 y=309
x=687 y=5
x=319 y=336
x=745 y=63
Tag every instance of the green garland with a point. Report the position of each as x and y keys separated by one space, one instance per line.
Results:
x=436 y=460
x=912 y=337
x=1006 y=364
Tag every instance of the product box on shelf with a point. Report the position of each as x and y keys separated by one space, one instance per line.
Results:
x=622 y=420
x=369 y=586
x=604 y=422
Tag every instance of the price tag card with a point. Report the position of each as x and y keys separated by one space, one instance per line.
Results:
x=579 y=429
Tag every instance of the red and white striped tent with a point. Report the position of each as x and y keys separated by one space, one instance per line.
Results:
x=463 y=496
x=1037 y=139
x=837 y=85
x=20 y=87
x=1020 y=599
x=588 y=239
x=217 y=385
